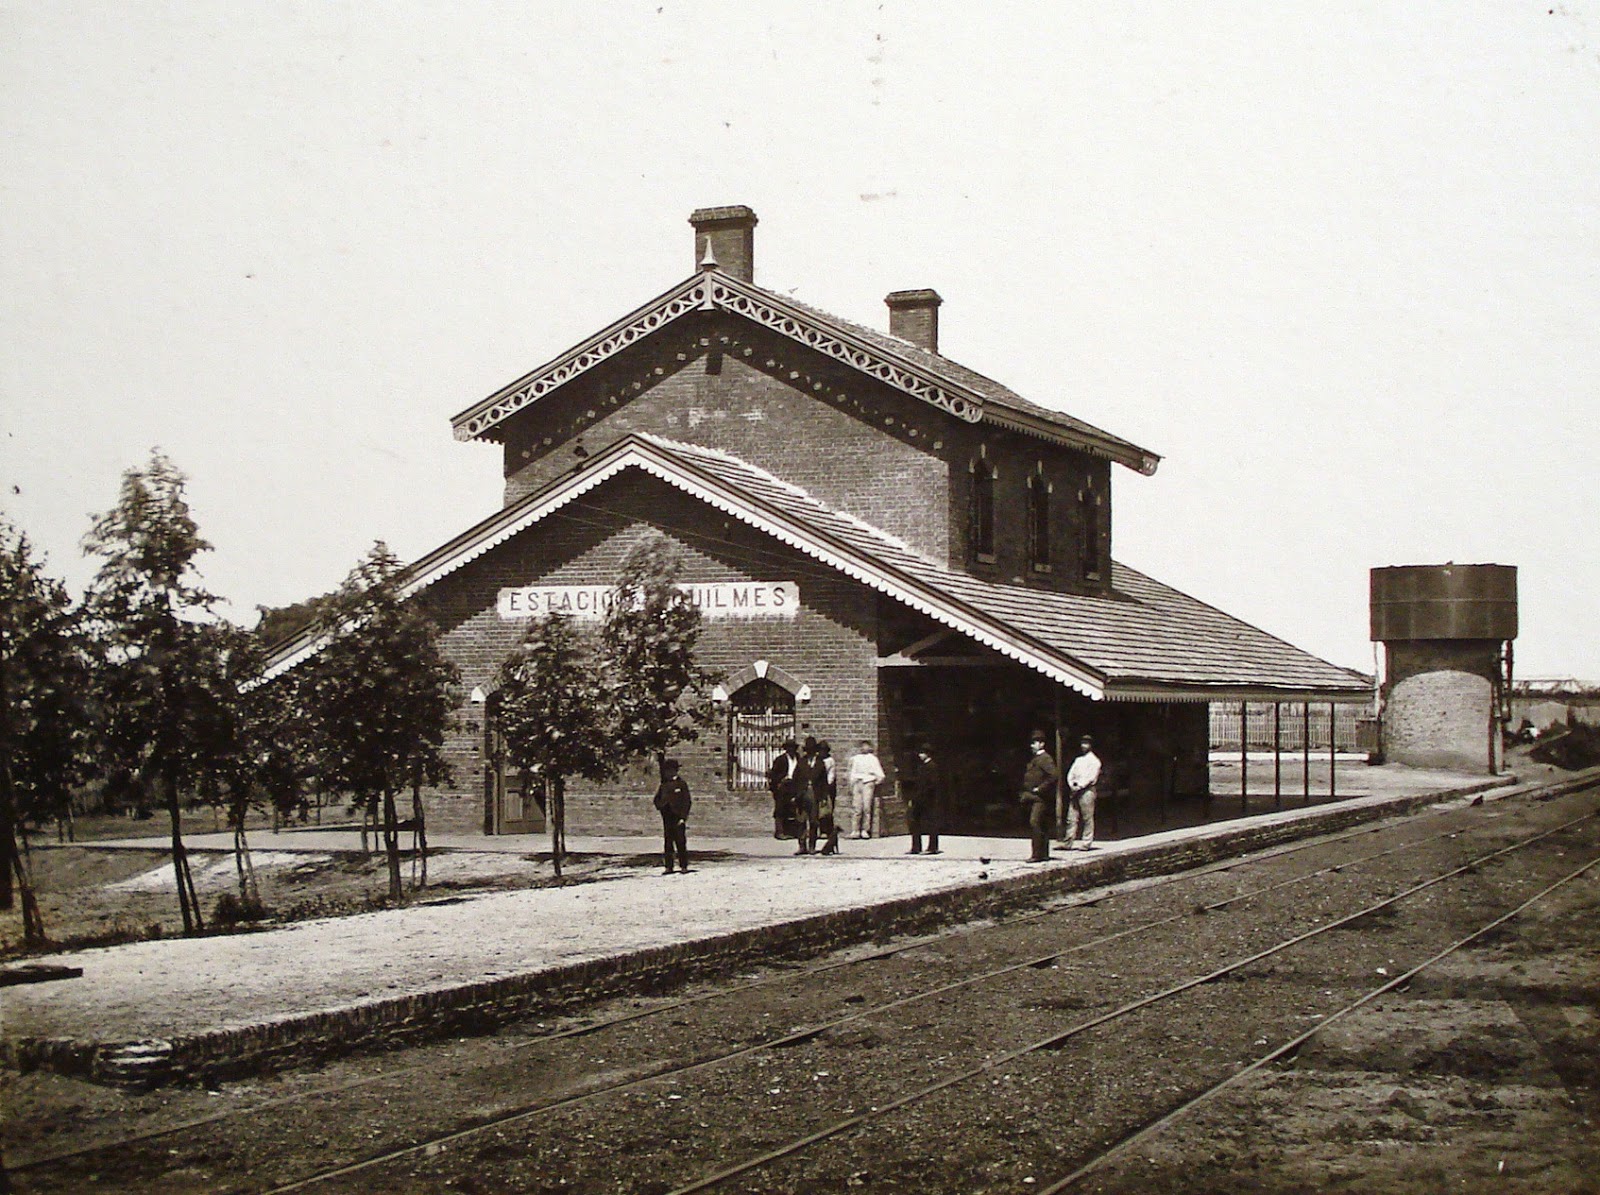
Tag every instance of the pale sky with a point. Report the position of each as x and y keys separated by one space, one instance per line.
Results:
x=1338 y=263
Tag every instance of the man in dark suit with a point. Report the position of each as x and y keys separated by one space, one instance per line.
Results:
x=922 y=786
x=805 y=797
x=781 y=784
x=1039 y=782
x=673 y=801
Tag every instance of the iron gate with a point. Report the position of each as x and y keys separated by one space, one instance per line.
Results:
x=760 y=719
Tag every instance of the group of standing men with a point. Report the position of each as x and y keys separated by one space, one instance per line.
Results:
x=804 y=784
x=1072 y=809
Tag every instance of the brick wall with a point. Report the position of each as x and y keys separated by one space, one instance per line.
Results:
x=1016 y=459
x=1438 y=705
x=852 y=441
x=831 y=646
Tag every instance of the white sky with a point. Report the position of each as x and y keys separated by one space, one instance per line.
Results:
x=1339 y=264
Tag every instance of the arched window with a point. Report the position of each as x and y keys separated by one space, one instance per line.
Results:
x=760 y=717
x=1089 y=504
x=982 y=513
x=1039 y=523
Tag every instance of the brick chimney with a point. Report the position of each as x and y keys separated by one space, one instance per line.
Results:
x=729 y=233
x=914 y=316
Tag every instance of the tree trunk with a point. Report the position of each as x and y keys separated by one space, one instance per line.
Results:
x=8 y=843
x=249 y=890
x=421 y=868
x=188 y=902
x=32 y=921
x=558 y=821
x=391 y=844
x=14 y=865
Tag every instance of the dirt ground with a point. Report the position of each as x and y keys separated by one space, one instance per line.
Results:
x=90 y=896
x=1482 y=1074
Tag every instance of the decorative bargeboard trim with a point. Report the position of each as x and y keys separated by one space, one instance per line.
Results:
x=710 y=291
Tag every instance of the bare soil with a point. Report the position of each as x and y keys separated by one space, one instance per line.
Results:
x=1483 y=1074
x=93 y=896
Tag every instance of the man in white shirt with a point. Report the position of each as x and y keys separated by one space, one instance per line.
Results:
x=1081 y=780
x=866 y=773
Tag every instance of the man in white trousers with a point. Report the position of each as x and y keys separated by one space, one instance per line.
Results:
x=866 y=773
x=1081 y=780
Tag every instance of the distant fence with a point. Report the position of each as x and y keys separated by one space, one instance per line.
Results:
x=1353 y=726
x=1542 y=711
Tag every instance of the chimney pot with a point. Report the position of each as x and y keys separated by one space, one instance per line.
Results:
x=914 y=316
x=727 y=235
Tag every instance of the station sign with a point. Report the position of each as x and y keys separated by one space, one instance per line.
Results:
x=589 y=603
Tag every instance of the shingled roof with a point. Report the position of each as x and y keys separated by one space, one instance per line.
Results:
x=963 y=392
x=1145 y=638
x=1144 y=641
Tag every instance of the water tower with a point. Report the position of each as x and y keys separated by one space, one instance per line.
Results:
x=1446 y=631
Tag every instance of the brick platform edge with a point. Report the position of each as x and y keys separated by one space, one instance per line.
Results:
x=481 y=1007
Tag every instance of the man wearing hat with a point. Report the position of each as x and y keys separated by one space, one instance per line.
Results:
x=673 y=801
x=1039 y=794
x=1082 y=777
x=781 y=784
x=923 y=789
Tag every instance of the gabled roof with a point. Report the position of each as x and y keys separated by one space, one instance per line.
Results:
x=1145 y=641
x=938 y=380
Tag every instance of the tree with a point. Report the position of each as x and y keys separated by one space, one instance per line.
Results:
x=379 y=696
x=554 y=709
x=150 y=613
x=278 y=623
x=237 y=740
x=44 y=713
x=661 y=696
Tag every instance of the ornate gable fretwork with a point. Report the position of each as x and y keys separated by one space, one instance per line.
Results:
x=478 y=420
x=796 y=327
x=711 y=291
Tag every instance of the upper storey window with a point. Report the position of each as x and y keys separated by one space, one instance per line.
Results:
x=1089 y=504
x=982 y=513
x=1039 y=523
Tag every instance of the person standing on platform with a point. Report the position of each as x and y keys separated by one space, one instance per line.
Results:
x=1082 y=777
x=826 y=786
x=780 y=783
x=672 y=799
x=805 y=797
x=923 y=788
x=866 y=773
x=1039 y=782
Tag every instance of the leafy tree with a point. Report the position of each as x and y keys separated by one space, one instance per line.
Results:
x=278 y=623
x=237 y=737
x=44 y=713
x=379 y=696
x=661 y=696
x=157 y=680
x=554 y=709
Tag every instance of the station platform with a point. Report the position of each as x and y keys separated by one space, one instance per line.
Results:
x=214 y=1007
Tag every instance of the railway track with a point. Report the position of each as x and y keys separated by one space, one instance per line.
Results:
x=1056 y=1040
x=656 y=1072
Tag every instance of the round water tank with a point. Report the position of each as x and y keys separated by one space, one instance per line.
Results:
x=1444 y=601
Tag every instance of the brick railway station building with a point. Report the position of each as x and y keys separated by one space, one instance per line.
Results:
x=886 y=546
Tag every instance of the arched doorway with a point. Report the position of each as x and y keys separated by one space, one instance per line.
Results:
x=760 y=718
